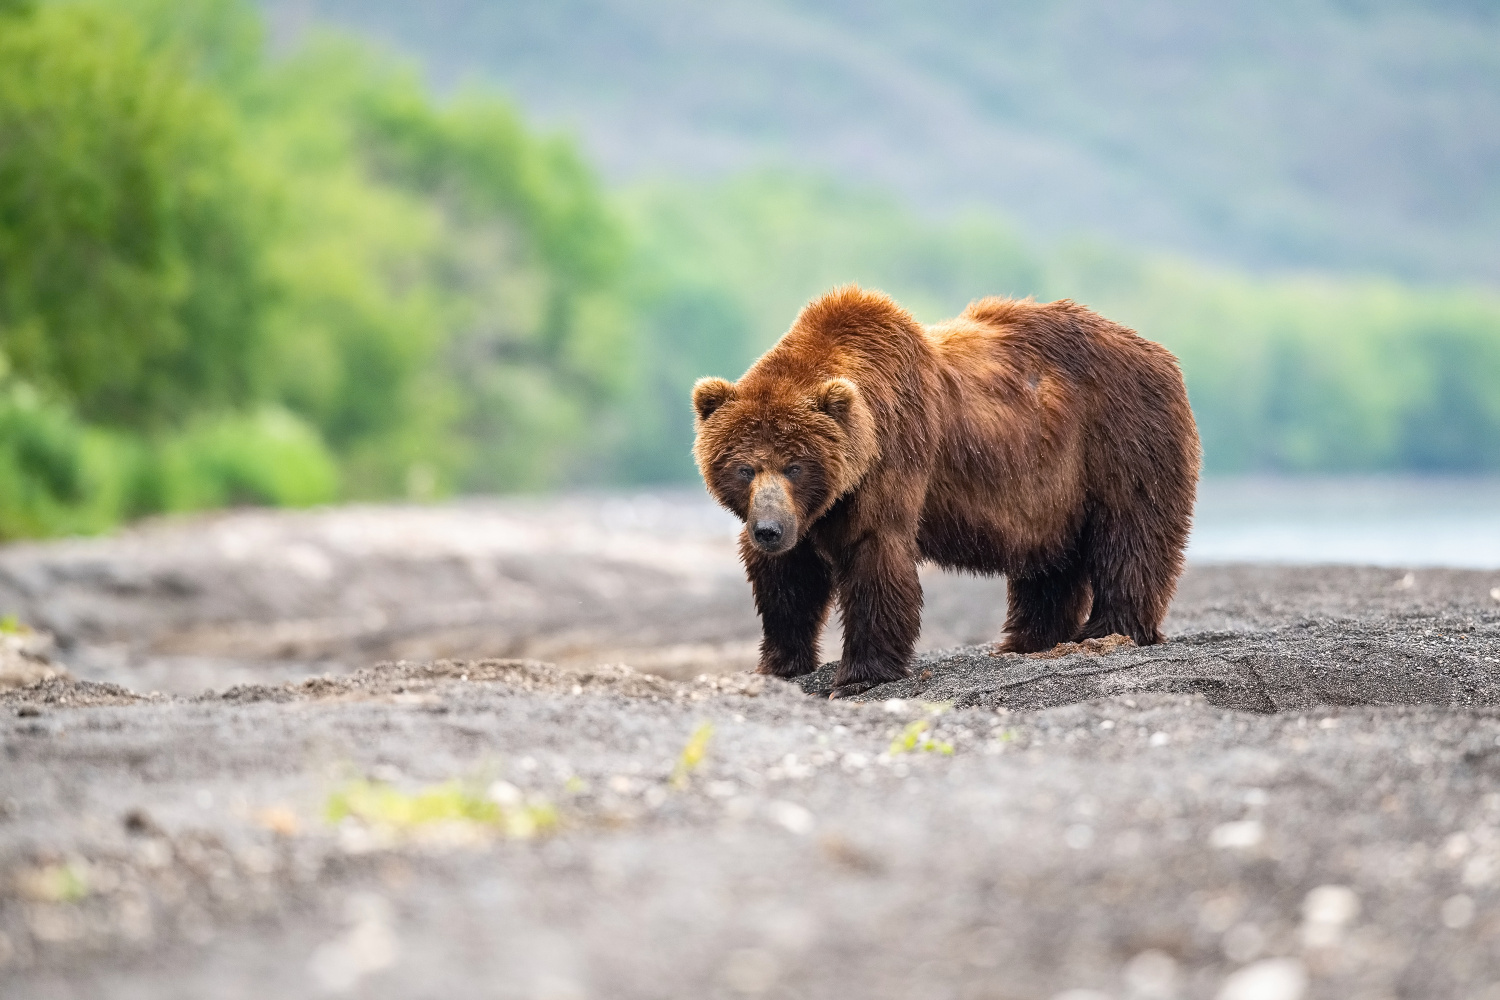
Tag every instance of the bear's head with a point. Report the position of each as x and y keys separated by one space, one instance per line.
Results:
x=779 y=456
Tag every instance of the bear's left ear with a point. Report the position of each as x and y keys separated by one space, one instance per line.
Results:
x=711 y=393
x=837 y=397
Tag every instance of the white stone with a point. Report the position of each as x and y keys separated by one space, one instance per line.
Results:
x=791 y=816
x=1268 y=979
x=1458 y=912
x=1242 y=834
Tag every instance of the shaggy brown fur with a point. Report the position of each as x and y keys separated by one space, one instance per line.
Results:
x=1040 y=441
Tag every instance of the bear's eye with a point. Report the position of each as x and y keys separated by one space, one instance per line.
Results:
x=793 y=471
x=745 y=473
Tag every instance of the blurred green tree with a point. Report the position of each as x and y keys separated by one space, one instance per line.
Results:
x=131 y=229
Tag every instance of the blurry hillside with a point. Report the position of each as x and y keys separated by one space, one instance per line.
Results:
x=247 y=257
x=1338 y=134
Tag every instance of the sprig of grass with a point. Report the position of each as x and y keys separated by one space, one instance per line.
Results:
x=692 y=754
x=65 y=883
x=913 y=739
x=378 y=804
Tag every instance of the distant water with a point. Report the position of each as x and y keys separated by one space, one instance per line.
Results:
x=1384 y=521
x=1372 y=521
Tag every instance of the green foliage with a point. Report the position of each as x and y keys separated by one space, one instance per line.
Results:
x=914 y=738
x=1302 y=375
x=394 y=813
x=1344 y=134
x=228 y=279
x=447 y=313
x=41 y=462
x=1285 y=374
x=692 y=755
x=130 y=279
x=267 y=458
x=239 y=280
x=721 y=271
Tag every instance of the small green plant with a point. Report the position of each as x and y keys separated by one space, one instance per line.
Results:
x=65 y=883
x=692 y=754
x=11 y=625
x=381 y=805
x=914 y=738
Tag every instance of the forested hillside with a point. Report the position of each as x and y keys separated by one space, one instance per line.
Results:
x=1286 y=374
x=246 y=261
x=1358 y=135
x=229 y=280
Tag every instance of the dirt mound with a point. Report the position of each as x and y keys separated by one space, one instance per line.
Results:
x=1277 y=670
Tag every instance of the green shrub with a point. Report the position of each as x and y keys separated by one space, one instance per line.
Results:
x=132 y=225
x=57 y=476
x=268 y=458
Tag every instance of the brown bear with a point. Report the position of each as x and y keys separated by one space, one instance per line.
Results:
x=1041 y=441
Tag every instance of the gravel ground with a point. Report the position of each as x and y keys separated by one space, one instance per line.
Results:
x=1298 y=796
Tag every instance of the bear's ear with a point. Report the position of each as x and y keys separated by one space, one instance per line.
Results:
x=711 y=393
x=836 y=397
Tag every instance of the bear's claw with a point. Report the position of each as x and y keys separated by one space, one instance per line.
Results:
x=851 y=689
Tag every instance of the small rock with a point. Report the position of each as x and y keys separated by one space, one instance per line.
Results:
x=791 y=816
x=138 y=823
x=1325 y=913
x=1268 y=979
x=750 y=971
x=1458 y=912
x=1152 y=975
x=24 y=659
x=368 y=946
x=1079 y=836
x=1243 y=942
x=1245 y=833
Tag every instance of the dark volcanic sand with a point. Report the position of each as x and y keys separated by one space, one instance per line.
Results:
x=1298 y=796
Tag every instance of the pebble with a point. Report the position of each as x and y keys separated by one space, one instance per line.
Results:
x=791 y=816
x=1268 y=979
x=368 y=946
x=1078 y=836
x=1241 y=834
x=1325 y=913
x=1458 y=912
x=1152 y=975
x=750 y=971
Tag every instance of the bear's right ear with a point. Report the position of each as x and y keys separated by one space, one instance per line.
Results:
x=836 y=397
x=711 y=393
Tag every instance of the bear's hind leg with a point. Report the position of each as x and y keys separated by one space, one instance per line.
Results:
x=1133 y=565
x=1045 y=609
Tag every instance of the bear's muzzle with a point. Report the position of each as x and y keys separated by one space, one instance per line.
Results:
x=772 y=520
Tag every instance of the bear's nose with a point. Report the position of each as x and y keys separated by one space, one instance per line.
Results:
x=767 y=532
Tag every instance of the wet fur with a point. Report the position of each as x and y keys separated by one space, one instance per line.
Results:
x=1039 y=441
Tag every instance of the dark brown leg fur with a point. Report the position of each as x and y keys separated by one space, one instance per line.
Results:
x=792 y=594
x=1133 y=569
x=880 y=601
x=1045 y=609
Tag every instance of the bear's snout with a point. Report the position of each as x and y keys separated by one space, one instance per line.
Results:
x=772 y=520
x=768 y=534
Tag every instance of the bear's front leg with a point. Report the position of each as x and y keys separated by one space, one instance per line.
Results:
x=792 y=594
x=880 y=598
